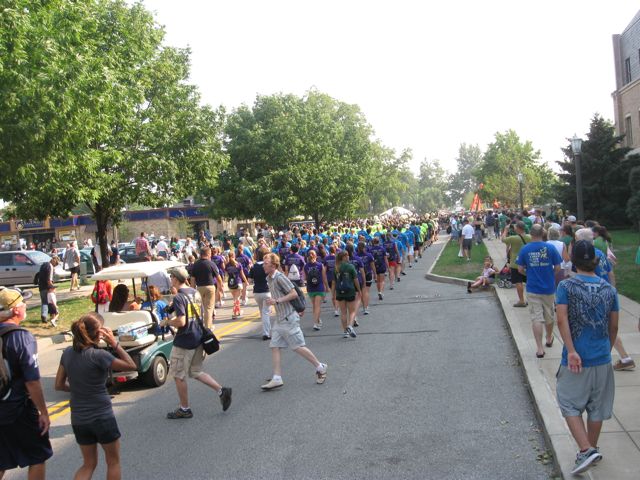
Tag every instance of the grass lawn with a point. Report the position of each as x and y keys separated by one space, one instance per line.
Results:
x=70 y=311
x=450 y=265
x=625 y=246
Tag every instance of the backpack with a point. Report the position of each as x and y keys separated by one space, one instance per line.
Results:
x=299 y=304
x=294 y=272
x=344 y=285
x=232 y=282
x=313 y=277
x=5 y=371
x=100 y=296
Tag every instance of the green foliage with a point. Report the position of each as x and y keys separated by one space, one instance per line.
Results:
x=95 y=111
x=294 y=156
x=605 y=175
x=464 y=180
x=389 y=179
x=432 y=185
x=502 y=161
x=450 y=265
x=633 y=204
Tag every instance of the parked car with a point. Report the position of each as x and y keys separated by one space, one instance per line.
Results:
x=128 y=254
x=22 y=267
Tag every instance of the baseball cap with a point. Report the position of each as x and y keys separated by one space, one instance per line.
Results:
x=179 y=273
x=583 y=251
x=10 y=297
x=571 y=218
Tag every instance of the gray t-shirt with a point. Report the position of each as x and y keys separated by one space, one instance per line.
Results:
x=87 y=372
x=280 y=286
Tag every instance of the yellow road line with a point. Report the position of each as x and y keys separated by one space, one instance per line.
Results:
x=224 y=330
x=235 y=327
x=56 y=406
x=59 y=414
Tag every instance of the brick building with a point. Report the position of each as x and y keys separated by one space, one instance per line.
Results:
x=626 y=98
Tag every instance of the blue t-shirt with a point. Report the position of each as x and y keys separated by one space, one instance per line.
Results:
x=21 y=352
x=603 y=268
x=539 y=258
x=589 y=302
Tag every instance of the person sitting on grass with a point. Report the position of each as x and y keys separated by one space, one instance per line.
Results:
x=488 y=274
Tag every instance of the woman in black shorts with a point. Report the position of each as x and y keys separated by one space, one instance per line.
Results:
x=83 y=371
x=345 y=286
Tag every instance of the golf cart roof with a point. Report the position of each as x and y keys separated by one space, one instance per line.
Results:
x=135 y=270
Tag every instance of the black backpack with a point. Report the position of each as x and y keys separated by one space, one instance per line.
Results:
x=5 y=371
x=344 y=284
x=313 y=277
x=232 y=282
x=299 y=304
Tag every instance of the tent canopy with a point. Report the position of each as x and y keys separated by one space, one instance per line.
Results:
x=396 y=211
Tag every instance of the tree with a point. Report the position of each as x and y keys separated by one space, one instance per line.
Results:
x=389 y=181
x=96 y=111
x=633 y=204
x=292 y=155
x=606 y=168
x=431 y=188
x=464 y=180
x=504 y=159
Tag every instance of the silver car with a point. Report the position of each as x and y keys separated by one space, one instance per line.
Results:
x=21 y=267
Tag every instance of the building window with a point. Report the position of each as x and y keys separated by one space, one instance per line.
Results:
x=627 y=131
x=627 y=70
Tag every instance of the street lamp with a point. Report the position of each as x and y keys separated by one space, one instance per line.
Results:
x=576 y=147
x=520 y=180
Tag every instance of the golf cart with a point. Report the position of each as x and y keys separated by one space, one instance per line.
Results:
x=138 y=331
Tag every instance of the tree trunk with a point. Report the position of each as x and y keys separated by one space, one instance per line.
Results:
x=102 y=221
x=316 y=218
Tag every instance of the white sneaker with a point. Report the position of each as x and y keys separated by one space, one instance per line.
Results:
x=336 y=313
x=317 y=326
x=243 y=303
x=366 y=311
x=271 y=384
x=321 y=375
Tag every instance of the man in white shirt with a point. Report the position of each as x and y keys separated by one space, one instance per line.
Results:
x=467 y=239
x=162 y=249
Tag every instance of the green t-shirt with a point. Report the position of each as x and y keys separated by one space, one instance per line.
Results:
x=601 y=244
x=527 y=224
x=349 y=270
x=515 y=243
x=567 y=240
x=502 y=218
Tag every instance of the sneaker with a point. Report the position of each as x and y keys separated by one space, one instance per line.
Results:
x=180 y=413
x=355 y=322
x=272 y=384
x=379 y=296
x=243 y=303
x=225 y=398
x=468 y=287
x=404 y=273
x=586 y=460
x=391 y=287
x=622 y=366
x=352 y=333
x=54 y=323
x=316 y=326
x=397 y=279
x=366 y=311
x=321 y=376
x=345 y=334
x=336 y=313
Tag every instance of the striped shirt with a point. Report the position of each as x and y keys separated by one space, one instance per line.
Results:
x=280 y=286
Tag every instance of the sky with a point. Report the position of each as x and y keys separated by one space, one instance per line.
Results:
x=427 y=75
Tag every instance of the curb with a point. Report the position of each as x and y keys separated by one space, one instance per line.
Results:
x=553 y=424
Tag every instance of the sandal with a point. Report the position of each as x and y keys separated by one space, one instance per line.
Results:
x=540 y=355
x=520 y=305
x=550 y=344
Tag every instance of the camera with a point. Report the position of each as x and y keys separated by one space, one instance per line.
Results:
x=169 y=309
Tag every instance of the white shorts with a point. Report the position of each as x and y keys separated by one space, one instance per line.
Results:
x=410 y=252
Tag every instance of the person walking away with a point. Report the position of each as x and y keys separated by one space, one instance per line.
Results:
x=143 y=249
x=316 y=275
x=24 y=419
x=114 y=254
x=294 y=266
x=244 y=260
x=392 y=256
x=71 y=263
x=235 y=280
x=587 y=309
x=467 y=239
x=285 y=331
x=101 y=295
x=370 y=272
x=208 y=279
x=187 y=355
x=542 y=262
x=346 y=287
x=381 y=259
x=360 y=273
x=514 y=243
x=45 y=283
x=83 y=371
x=261 y=291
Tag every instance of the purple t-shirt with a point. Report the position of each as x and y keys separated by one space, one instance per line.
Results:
x=366 y=258
x=379 y=253
x=392 y=250
x=357 y=263
x=330 y=262
x=295 y=259
x=313 y=274
x=245 y=262
x=219 y=261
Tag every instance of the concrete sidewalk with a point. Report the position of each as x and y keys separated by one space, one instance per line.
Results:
x=620 y=437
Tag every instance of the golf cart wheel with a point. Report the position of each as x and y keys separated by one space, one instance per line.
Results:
x=501 y=283
x=157 y=373
x=509 y=284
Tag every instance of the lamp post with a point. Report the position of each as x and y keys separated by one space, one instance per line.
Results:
x=520 y=179
x=576 y=147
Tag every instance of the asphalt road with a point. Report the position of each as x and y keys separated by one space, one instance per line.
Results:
x=430 y=389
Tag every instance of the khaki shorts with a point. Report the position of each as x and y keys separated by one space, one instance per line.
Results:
x=287 y=334
x=186 y=362
x=541 y=307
